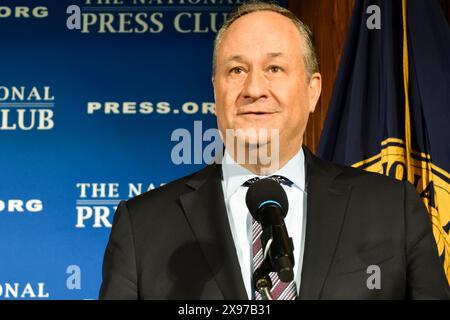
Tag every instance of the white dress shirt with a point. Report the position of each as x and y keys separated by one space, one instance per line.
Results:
x=240 y=219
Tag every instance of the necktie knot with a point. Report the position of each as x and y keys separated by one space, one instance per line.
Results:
x=280 y=179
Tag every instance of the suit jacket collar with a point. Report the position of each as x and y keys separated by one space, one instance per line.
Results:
x=327 y=200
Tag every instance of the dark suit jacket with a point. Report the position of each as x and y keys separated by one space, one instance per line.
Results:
x=175 y=242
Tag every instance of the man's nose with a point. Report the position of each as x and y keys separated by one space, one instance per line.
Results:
x=255 y=86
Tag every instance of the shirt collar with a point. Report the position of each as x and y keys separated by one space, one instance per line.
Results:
x=235 y=175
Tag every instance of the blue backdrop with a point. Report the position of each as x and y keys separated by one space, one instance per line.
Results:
x=88 y=104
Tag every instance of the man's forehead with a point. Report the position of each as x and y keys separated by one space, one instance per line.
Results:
x=243 y=57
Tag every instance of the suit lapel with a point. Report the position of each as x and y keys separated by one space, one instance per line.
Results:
x=327 y=201
x=206 y=212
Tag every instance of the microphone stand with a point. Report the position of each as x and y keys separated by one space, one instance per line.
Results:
x=262 y=281
x=265 y=293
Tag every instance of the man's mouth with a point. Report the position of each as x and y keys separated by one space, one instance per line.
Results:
x=256 y=115
x=256 y=112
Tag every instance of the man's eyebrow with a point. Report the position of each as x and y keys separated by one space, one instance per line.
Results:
x=236 y=57
x=275 y=54
x=240 y=58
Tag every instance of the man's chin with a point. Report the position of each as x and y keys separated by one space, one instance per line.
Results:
x=254 y=141
x=253 y=136
x=254 y=151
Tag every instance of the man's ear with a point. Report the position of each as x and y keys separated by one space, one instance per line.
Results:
x=314 y=90
x=213 y=81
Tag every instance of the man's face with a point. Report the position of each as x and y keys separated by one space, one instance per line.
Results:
x=260 y=80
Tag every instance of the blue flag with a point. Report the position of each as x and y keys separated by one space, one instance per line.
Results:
x=390 y=109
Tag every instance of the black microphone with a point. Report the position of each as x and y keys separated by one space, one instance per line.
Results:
x=268 y=204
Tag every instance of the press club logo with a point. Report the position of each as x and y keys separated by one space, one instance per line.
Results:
x=27 y=290
x=21 y=206
x=26 y=108
x=23 y=12
x=97 y=201
x=148 y=17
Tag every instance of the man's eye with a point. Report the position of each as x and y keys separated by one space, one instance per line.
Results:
x=236 y=70
x=275 y=69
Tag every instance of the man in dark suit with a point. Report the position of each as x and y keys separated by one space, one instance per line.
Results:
x=356 y=235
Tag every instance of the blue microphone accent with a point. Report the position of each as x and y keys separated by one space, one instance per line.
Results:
x=270 y=201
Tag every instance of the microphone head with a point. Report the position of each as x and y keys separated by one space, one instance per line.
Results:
x=266 y=191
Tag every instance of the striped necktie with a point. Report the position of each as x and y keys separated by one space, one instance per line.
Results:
x=280 y=290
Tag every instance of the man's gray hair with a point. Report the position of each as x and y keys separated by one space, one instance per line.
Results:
x=309 y=55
